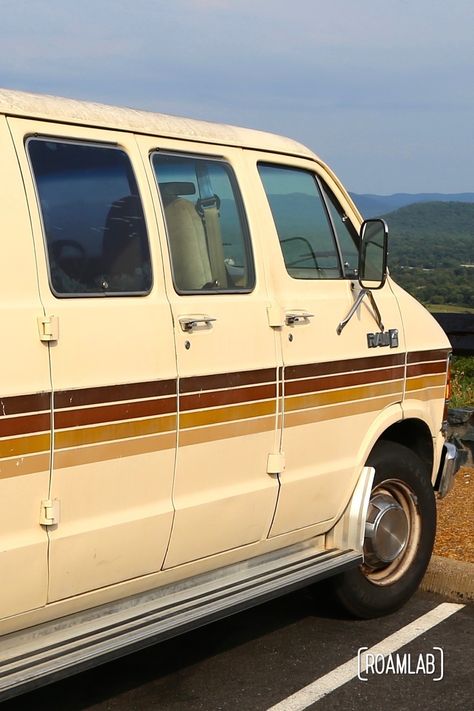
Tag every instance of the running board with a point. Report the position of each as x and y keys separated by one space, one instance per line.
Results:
x=50 y=651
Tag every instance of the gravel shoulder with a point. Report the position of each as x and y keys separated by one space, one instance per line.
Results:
x=455 y=536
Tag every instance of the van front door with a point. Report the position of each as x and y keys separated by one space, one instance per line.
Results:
x=334 y=385
x=112 y=355
x=226 y=354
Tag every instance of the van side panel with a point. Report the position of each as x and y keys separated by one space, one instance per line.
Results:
x=25 y=401
x=114 y=380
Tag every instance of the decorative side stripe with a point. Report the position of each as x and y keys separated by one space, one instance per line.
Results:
x=108 y=422
x=426 y=368
x=301 y=402
x=227 y=380
x=423 y=356
x=121 y=430
x=306 y=417
x=340 y=381
x=343 y=366
x=113 y=393
x=427 y=381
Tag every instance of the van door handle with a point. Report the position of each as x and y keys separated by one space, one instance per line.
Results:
x=297 y=315
x=189 y=323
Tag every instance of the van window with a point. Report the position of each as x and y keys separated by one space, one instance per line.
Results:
x=347 y=235
x=302 y=222
x=93 y=220
x=207 y=231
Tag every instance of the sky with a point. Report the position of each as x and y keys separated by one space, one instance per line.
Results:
x=382 y=90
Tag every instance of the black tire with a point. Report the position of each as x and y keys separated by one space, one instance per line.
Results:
x=369 y=591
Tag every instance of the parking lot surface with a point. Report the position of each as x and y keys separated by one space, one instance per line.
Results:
x=282 y=654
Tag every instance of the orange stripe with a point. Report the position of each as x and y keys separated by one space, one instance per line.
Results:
x=121 y=430
x=333 y=397
x=226 y=430
x=32 y=444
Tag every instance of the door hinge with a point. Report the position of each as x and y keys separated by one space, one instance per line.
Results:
x=276 y=463
x=48 y=328
x=49 y=514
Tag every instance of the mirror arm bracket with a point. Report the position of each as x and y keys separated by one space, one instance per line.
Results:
x=355 y=306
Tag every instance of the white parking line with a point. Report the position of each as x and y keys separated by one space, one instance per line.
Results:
x=344 y=673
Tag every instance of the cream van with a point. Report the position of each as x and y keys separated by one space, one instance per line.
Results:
x=212 y=392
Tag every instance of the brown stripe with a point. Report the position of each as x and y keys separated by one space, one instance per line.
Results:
x=227 y=397
x=25 y=425
x=423 y=356
x=114 y=413
x=343 y=366
x=18 y=404
x=226 y=430
x=113 y=393
x=227 y=380
x=426 y=368
x=114 y=450
x=340 y=381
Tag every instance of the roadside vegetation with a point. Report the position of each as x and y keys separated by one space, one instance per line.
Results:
x=462 y=381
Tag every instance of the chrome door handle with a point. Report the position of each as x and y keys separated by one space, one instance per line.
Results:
x=297 y=315
x=189 y=323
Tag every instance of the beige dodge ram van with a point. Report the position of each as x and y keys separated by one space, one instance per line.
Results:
x=212 y=392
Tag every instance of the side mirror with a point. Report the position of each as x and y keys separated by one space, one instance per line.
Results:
x=373 y=254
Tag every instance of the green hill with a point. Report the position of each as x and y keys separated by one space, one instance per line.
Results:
x=430 y=245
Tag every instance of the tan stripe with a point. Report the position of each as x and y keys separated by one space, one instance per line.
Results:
x=25 y=445
x=307 y=417
x=120 y=430
x=21 y=466
x=226 y=414
x=226 y=430
x=428 y=394
x=348 y=395
x=114 y=450
x=427 y=381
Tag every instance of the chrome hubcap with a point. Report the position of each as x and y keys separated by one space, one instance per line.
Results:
x=386 y=531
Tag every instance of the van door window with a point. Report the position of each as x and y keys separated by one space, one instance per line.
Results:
x=207 y=232
x=301 y=218
x=94 y=227
x=347 y=235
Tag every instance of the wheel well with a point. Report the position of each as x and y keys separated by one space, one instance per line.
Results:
x=415 y=435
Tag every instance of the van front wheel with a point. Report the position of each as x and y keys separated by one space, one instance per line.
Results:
x=399 y=535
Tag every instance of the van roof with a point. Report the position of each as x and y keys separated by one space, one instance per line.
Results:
x=61 y=110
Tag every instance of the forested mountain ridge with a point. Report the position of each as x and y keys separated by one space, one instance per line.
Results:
x=376 y=205
x=431 y=249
